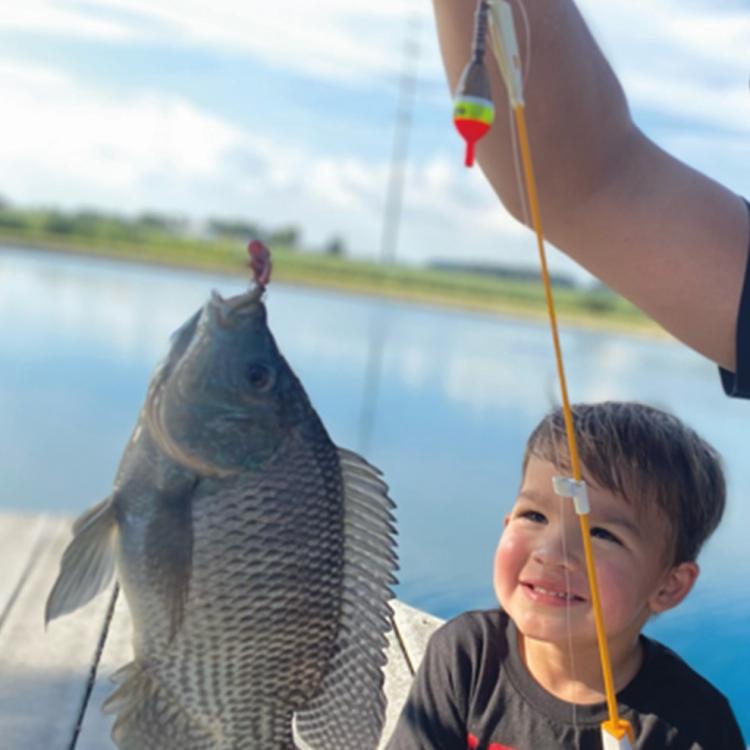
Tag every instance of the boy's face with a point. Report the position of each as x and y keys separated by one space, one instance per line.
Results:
x=540 y=574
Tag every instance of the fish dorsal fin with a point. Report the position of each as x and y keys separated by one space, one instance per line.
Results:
x=349 y=709
x=87 y=563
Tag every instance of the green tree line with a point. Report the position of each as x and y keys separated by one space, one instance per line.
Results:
x=103 y=225
x=219 y=243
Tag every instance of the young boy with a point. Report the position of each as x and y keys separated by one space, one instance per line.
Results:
x=527 y=676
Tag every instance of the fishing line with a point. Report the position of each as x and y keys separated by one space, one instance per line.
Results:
x=94 y=667
x=568 y=625
x=553 y=437
x=526 y=66
x=517 y=169
x=527 y=29
x=575 y=466
x=473 y=116
x=566 y=572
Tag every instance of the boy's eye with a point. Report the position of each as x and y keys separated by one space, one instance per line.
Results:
x=533 y=515
x=601 y=533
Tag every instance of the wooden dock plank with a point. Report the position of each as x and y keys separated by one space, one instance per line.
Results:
x=20 y=537
x=43 y=675
x=407 y=641
x=415 y=628
x=397 y=682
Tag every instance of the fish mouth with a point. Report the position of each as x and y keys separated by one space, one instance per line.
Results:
x=227 y=308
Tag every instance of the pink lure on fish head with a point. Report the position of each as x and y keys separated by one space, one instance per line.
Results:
x=260 y=262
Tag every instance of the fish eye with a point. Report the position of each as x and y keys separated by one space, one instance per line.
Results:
x=260 y=377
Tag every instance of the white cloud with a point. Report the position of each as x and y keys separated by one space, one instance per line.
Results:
x=56 y=132
x=344 y=40
x=329 y=38
x=347 y=184
x=684 y=68
x=43 y=16
x=677 y=58
x=718 y=106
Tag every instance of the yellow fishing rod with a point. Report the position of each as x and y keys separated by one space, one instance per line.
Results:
x=473 y=116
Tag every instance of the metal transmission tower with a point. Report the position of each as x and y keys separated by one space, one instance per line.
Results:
x=397 y=173
x=391 y=220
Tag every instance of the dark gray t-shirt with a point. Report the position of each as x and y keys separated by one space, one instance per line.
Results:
x=472 y=692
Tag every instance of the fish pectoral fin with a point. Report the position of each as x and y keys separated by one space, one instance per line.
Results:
x=169 y=539
x=349 y=708
x=87 y=564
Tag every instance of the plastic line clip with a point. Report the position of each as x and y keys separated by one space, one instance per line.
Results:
x=569 y=487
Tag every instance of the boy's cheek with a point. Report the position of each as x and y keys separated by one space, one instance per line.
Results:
x=512 y=541
x=615 y=590
x=509 y=559
x=507 y=552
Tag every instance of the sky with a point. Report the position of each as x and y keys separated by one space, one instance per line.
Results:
x=284 y=113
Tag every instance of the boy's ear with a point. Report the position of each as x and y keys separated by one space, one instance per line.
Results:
x=675 y=586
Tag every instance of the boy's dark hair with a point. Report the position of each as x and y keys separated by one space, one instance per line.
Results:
x=648 y=457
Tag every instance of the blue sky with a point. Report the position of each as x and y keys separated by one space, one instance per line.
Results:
x=284 y=113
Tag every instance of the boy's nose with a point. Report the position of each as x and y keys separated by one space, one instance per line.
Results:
x=556 y=550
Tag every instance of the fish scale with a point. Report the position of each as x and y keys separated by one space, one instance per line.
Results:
x=256 y=556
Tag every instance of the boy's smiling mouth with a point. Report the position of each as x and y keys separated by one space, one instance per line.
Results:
x=548 y=593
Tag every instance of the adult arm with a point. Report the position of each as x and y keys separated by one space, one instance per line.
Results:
x=663 y=235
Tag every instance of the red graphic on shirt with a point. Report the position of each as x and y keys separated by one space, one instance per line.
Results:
x=472 y=743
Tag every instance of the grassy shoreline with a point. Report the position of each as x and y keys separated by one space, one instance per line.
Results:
x=590 y=309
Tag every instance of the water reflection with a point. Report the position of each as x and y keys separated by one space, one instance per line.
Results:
x=372 y=379
x=441 y=401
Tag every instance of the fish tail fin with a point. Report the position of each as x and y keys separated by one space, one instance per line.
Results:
x=87 y=564
x=148 y=717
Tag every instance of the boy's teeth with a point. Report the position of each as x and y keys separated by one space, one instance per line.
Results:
x=558 y=594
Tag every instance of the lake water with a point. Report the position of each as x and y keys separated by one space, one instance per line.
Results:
x=441 y=401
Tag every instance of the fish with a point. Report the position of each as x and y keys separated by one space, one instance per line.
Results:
x=257 y=558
